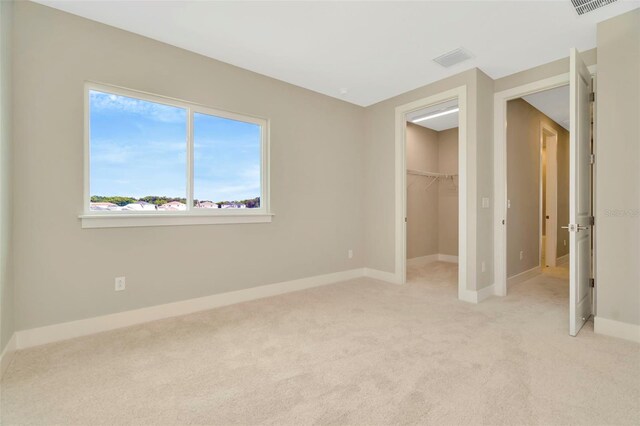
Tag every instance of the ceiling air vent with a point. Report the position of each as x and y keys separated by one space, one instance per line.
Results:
x=586 y=6
x=454 y=57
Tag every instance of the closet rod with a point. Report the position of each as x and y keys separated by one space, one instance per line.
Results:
x=431 y=174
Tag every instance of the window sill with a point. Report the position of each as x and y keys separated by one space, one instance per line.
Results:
x=141 y=219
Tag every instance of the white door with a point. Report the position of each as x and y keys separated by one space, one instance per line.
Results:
x=580 y=218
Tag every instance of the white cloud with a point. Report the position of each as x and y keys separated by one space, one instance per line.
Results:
x=159 y=112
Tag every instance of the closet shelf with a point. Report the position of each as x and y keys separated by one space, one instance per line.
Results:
x=431 y=174
x=434 y=177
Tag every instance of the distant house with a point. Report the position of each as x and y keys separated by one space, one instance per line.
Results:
x=103 y=206
x=140 y=206
x=207 y=205
x=173 y=206
x=233 y=206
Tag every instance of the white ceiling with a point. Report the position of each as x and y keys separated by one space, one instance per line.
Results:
x=554 y=103
x=374 y=50
x=438 y=124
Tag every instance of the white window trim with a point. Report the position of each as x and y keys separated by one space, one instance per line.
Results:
x=191 y=216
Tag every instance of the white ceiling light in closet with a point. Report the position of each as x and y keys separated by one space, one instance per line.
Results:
x=438 y=117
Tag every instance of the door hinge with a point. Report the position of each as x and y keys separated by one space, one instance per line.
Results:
x=592 y=282
x=405 y=220
x=592 y=158
x=592 y=220
x=592 y=97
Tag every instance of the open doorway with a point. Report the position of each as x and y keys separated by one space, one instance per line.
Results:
x=538 y=186
x=432 y=135
x=578 y=276
x=442 y=103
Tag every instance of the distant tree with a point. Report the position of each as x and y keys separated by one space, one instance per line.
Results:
x=252 y=203
x=159 y=200
x=115 y=199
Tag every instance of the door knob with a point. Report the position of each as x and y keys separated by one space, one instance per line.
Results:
x=575 y=228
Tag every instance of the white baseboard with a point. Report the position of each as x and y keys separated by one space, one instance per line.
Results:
x=422 y=259
x=389 y=277
x=486 y=292
x=438 y=257
x=618 y=329
x=447 y=258
x=69 y=330
x=7 y=354
x=562 y=260
x=524 y=276
x=473 y=296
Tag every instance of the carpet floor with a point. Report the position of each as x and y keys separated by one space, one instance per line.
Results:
x=361 y=352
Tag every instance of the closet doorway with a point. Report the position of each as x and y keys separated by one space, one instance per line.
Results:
x=431 y=193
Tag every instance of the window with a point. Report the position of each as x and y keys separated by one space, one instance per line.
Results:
x=157 y=161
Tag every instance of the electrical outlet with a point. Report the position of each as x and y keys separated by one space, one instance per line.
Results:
x=521 y=254
x=485 y=202
x=565 y=243
x=350 y=254
x=483 y=267
x=120 y=283
x=508 y=204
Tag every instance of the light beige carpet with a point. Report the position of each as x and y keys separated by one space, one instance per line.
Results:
x=361 y=352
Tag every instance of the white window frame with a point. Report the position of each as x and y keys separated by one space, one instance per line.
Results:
x=191 y=216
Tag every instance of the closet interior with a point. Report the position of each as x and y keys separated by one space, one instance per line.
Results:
x=432 y=193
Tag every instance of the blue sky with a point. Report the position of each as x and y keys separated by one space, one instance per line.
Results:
x=226 y=159
x=139 y=148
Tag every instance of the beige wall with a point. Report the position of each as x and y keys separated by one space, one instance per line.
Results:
x=483 y=152
x=544 y=186
x=448 y=193
x=523 y=185
x=562 y=204
x=422 y=205
x=617 y=172
x=7 y=324
x=67 y=273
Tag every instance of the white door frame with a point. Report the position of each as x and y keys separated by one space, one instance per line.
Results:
x=551 y=135
x=460 y=93
x=500 y=168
